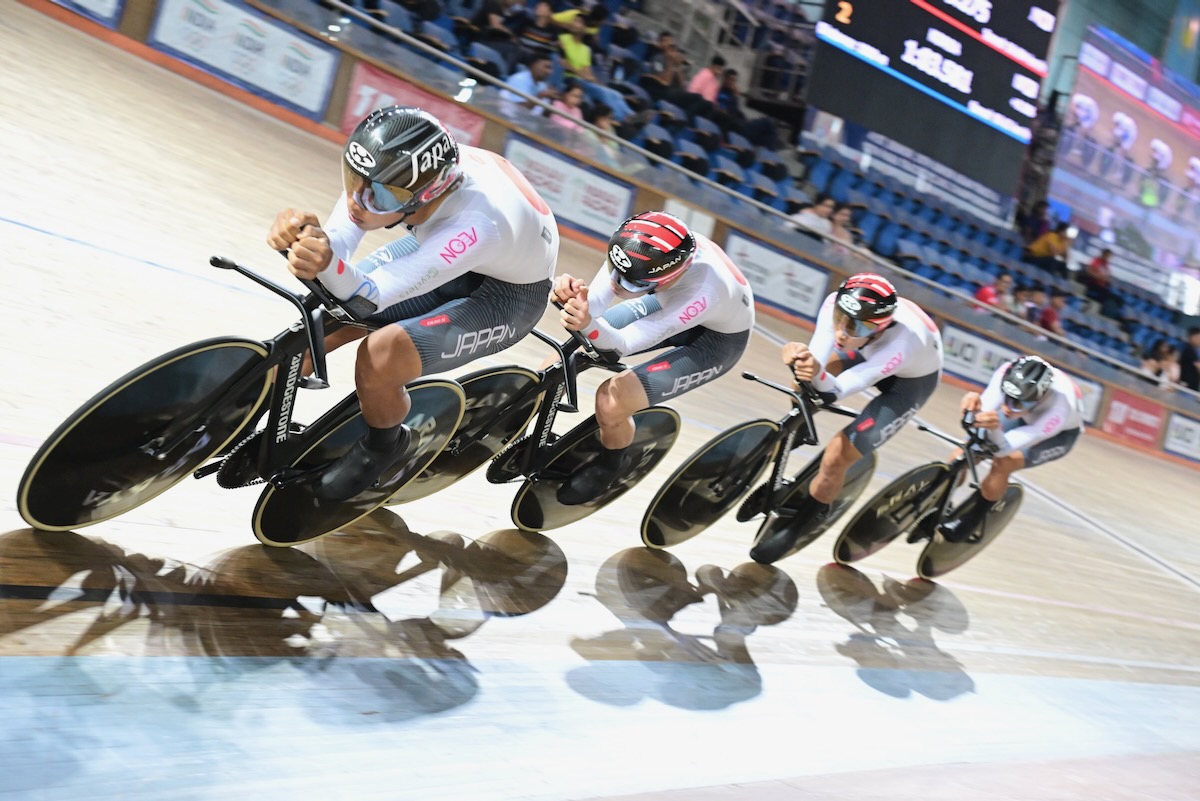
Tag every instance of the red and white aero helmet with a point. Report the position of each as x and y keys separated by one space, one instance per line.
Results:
x=649 y=249
x=867 y=298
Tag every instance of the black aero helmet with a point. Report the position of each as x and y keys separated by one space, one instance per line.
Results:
x=650 y=248
x=398 y=159
x=1025 y=382
x=868 y=301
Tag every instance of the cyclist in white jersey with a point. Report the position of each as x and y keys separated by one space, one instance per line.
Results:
x=661 y=286
x=1032 y=414
x=470 y=281
x=866 y=336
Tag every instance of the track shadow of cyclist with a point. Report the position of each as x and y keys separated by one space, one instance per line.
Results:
x=893 y=657
x=648 y=658
x=254 y=607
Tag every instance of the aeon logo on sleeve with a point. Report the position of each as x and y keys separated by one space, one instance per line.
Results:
x=459 y=245
x=693 y=310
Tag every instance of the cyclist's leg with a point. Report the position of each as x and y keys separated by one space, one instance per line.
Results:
x=486 y=317
x=899 y=399
x=698 y=356
x=995 y=484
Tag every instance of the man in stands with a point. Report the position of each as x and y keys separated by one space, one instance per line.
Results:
x=866 y=336
x=996 y=294
x=1189 y=361
x=478 y=253
x=1051 y=316
x=1032 y=414
x=661 y=286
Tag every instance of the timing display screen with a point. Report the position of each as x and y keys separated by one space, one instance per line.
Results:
x=957 y=80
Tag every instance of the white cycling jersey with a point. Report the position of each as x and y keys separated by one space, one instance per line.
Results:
x=712 y=293
x=1060 y=410
x=494 y=224
x=910 y=347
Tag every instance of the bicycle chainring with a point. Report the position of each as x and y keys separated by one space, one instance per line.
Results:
x=237 y=468
x=755 y=503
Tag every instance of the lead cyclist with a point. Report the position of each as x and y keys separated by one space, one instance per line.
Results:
x=470 y=280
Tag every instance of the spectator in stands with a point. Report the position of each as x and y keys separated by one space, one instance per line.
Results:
x=425 y=10
x=1035 y=302
x=1096 y=277
x=1051 y=316
x=571 y=104
x=707 y=82
x=815 y=218
x=1049 y=251
x=576 y=52
x=1189 y=361
x=539 y=35
x=841 y=223
x=535 y=80
x=1017 y=304
x=1036 y=222
x=996 y=294
x=491 y=22
x=601 y=115
x=1161 y=362
x=664 y=69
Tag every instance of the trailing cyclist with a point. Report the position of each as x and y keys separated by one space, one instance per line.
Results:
x=866 y=336
x=470 y=281
x=1032 y=414
x=661 y=286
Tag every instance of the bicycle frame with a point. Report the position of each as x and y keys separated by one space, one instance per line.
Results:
x=320 y=315
x=965 y=460
x=797 y=422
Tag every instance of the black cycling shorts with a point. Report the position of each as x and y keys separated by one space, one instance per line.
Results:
x=898 y=401
x=469 y=317
x=1048 y=450
x=696 y=357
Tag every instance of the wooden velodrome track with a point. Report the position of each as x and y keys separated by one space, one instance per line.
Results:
x=429 y=652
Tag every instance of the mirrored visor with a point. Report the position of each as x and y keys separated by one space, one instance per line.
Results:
x=373 y=196
x=852 y=327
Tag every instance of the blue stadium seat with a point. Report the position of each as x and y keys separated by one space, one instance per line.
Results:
x=691 y=156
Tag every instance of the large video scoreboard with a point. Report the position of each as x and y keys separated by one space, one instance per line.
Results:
x=957 y=80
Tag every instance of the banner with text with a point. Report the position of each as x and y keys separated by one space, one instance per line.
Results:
x=372 y=88
x=106 y=12
x=1183 y=437
x=1134 y=419
x=249 y=50
x=777 y=277
x=583 y=198
x=970 y=356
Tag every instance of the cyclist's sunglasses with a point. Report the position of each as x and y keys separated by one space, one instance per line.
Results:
x=852 y=327
x=1018 y=406
x=373 y=196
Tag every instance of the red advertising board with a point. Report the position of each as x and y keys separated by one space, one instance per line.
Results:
x=371 y=89
x=1134 y=419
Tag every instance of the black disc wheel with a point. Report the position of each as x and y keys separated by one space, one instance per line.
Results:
x=906 y=502
x=784 y=532
x=709 y=483
x=143 y=434
x=536 y=507
x=941 y=556
x=291 y=514
x=493 y=418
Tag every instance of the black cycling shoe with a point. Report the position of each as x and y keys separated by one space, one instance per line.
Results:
x=358 y=469
x=594 y=478
x=965 y=520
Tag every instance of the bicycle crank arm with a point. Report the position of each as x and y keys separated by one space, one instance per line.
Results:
x=208 y=469
x=289 y=476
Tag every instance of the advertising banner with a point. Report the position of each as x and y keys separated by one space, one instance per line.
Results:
x=106 y=12
x=777 y=277
x=1093 y=395
x=1134 y=419
x=971 y=357
x=585 y=199
x=249 y=50
x=1183 y=437
x=372 y=88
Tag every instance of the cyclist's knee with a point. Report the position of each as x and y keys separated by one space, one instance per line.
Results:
x=388 y=355
x=1008 y=464
x=840 y=453
x=619 y=397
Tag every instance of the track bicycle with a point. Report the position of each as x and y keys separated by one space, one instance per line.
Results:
x=163 y=421
x=918 y=502
x=500 y=404
x=713 y=479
